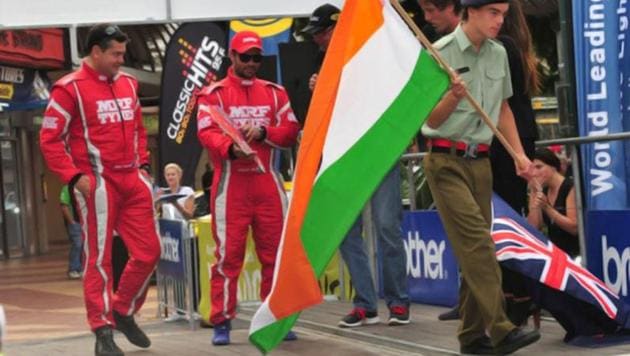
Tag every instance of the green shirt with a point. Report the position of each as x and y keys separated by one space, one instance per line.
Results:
x=64 y=198
x=488 y=80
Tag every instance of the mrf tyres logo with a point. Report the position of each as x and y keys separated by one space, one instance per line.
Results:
x=199 y=64
x=115 y=110
x=425 y=259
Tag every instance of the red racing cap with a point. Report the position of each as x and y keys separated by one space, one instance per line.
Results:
x=243 y=41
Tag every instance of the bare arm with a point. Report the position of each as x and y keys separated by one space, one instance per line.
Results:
x=447 y=104
x=536 y=201
x=188 y=208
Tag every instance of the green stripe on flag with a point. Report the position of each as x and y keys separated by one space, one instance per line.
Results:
x=341 y=192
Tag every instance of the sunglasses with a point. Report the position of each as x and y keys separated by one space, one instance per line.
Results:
x=256 y=58
x=112 y=29
x=111 y=32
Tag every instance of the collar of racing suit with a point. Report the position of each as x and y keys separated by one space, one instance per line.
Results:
x=95 y=74
x=238 y=80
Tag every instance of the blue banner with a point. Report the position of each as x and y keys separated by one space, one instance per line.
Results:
x=432 y=272
x=608 y=249
x=172 y=258
x=22 y=89
x=624 y=76
x=599 y=29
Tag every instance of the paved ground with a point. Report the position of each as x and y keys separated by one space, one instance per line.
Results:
x=46 y=317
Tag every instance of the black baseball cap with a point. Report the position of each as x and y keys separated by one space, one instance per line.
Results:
x=322 y=18
x=101 y=34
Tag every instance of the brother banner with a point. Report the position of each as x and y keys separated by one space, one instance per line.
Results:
x=172 y=257
x=600 y=29
x=194 y=59
x=609 y=251
x=432 y=272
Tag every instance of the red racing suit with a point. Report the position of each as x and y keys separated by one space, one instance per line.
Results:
x=241 y=195
x=93 y=126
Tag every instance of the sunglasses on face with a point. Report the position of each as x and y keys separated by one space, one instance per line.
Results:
x=256 y=58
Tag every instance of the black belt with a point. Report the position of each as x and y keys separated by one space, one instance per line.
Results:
x=459 y=153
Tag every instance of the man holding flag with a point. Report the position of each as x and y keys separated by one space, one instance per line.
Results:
x=242 y=195
x=360 y=120
x=459 y=174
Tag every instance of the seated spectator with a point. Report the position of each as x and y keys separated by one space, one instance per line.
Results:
x=552 y=203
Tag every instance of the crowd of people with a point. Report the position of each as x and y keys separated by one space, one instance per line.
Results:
x=92 y=137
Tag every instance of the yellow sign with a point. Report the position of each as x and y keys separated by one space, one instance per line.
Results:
x=263 y=27
x=6 y=91
x=250 y=278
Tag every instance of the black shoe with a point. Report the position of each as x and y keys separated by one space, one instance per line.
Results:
x=480 y=346
x=452 y=314
x=358 y=317
x=398 y=315
x=105 y=345
x=516 y=339
x=127 y=325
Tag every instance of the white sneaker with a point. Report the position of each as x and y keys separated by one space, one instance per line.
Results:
x=74 y=275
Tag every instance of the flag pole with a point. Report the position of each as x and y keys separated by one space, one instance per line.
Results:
x=451 y=73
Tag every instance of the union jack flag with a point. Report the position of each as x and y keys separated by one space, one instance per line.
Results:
x=523 y=249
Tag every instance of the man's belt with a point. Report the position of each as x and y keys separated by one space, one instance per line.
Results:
x=462 y=149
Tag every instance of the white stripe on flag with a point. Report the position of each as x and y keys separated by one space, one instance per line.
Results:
x=390 y=57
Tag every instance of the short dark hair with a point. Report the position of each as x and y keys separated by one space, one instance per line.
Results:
x=101 y=35
x=547 y=157
x=442 y=4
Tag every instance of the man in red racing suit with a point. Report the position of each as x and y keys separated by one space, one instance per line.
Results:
x=92 y=137
x=241 y=195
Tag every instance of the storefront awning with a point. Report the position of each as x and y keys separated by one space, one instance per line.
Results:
x=43 y=48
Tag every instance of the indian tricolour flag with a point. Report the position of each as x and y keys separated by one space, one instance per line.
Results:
x=376 y=87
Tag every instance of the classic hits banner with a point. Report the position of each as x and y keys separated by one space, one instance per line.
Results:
x=194 y=59
x=603 y=89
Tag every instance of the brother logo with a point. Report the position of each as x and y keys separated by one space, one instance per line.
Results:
x=621 y=264
x=170 y=248
x=424 y=260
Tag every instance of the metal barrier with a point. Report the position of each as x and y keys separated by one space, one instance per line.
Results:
x=572 y=142
x=178 y=290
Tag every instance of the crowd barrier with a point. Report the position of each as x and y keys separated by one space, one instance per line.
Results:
x=176 y=283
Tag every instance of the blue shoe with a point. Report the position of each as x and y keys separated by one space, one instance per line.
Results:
x=221 y=334
x=291 y=336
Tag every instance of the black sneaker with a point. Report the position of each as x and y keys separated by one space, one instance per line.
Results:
x=105 y=345
x=516 y=339
x=127 y=325
x=398 y=315
x=480 y=346
x=452 y=314
x=358 y=317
